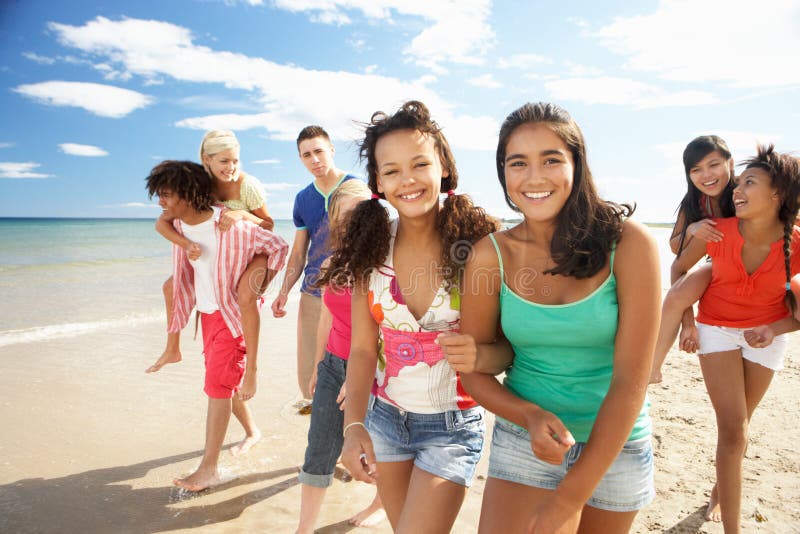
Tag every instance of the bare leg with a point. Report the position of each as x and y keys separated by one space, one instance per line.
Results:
x=594 y=520
x=307 y=322
x=371 y=515
x=756 y=382
x=242 y=412
x=219 y=413
x=508 y=507
x=172 y=352
x=432 y=504
x=311 y=498
x=248 y=292
x=682 y=295
x=393 y=487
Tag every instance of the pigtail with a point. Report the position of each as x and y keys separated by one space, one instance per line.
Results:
x=460 y=224
x=364 y=246
x=789 y=298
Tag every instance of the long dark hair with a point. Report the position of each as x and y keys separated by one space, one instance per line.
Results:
x=695 y=151
x=459 y=222
x=784 y=171
x=587 y=226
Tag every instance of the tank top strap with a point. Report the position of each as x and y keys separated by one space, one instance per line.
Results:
x=499 y=257
x=611 y=257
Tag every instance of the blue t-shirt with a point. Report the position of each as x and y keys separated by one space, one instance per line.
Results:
x=311 y=214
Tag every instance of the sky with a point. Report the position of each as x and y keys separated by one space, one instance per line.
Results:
x=95 y=93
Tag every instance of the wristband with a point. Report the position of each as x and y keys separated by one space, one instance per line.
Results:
x=347 y=427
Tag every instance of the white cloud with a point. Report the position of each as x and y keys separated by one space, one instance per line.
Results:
x=43 y=60
x=739 y=43
x=11 y=169
x=456 y=31
x=6 y=145
x=103 y=100
x=75 y=149
x=624 y=92
x=287 y=94
x=267 y=161
x=742 y=144
x=370 y=69
x=522 y=61
x=279 y=186
x=485 y=80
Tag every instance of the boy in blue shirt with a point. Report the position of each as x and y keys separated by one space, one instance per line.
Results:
x=309 y=248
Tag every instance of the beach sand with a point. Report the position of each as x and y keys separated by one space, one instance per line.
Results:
x=90 y=443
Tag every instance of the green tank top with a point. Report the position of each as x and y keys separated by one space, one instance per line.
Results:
x=564 y=353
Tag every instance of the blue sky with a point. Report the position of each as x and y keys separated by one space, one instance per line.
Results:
x=94 y=93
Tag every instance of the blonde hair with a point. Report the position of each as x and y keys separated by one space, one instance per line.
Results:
x=348 y=188
x=216 y=141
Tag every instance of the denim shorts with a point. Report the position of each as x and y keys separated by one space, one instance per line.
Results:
x=325 y=430
x=627 y=486
x=447 y=445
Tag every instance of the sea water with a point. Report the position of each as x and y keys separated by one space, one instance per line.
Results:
x=64 y=277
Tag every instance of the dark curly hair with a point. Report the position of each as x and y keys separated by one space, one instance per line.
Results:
x=459 y=223
x=784 y=171
x=587 y=226
x=186 y=179
x=695 y=151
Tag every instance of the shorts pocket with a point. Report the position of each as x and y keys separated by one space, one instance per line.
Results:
x=636 y=447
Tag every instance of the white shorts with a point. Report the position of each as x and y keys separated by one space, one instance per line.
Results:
x=724 y=338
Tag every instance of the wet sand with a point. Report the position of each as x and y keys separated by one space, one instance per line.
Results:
x=90 y=443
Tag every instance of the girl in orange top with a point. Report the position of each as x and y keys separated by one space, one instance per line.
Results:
x=745 y=312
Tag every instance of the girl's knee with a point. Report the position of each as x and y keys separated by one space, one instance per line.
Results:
x=732 y=432
x=166 y=288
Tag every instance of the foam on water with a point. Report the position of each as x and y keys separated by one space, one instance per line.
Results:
x=58 y=331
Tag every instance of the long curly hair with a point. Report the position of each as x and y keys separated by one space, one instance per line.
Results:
x=459 y=223
x=784 y=171
x=587 y=226
x=186 y=179
x=695 y=151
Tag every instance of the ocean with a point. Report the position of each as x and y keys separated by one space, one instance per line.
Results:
x=65 y=277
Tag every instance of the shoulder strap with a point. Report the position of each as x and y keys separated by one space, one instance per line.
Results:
x=499 y=257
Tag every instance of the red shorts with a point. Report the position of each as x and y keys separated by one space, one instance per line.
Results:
x=225 y=357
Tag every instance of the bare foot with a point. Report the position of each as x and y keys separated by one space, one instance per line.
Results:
x=198 y=481
x=369 y=516
x=246 y=444
x=166 y=357
x=713 y=512
x=655 y=377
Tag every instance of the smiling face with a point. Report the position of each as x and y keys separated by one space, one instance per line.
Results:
x=317 y=155
x=172 y=205
x=711 y=174
x=539 y=171
x=755 y=195
x=224 y=165
x=409 y=171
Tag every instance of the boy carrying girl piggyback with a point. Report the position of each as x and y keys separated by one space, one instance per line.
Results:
x=209 y=283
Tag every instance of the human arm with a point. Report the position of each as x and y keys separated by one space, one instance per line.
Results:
x=165 y=227
x=480 y=315
x=705 y=230
x=258 y=216
x=761 y=336
x=323 y=330
x=294 y=268
x=360 y=375
x=636 y=270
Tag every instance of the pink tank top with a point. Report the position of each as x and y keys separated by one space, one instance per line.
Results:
x=338 y=300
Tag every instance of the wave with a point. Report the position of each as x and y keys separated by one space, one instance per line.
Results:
x=59 y=331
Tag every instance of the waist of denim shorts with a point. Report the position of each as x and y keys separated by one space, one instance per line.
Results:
x=452 y=417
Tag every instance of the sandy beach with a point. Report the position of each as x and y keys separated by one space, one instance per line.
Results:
x=90 y=443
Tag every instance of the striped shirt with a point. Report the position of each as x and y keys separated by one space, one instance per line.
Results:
x=236 y=248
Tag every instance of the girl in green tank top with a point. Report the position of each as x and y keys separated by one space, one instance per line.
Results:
x=574 y=289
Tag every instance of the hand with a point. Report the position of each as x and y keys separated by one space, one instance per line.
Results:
x=689 y=339
x=358 y=456
x=229 y=218
x=459 y=350
x=278 y=306
x=553 y=515
x=192 y=251
x=248 y=389
x=704 y=229
x=340 y=398
x=550 y=439
x=759 y=336
x=312 y=382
